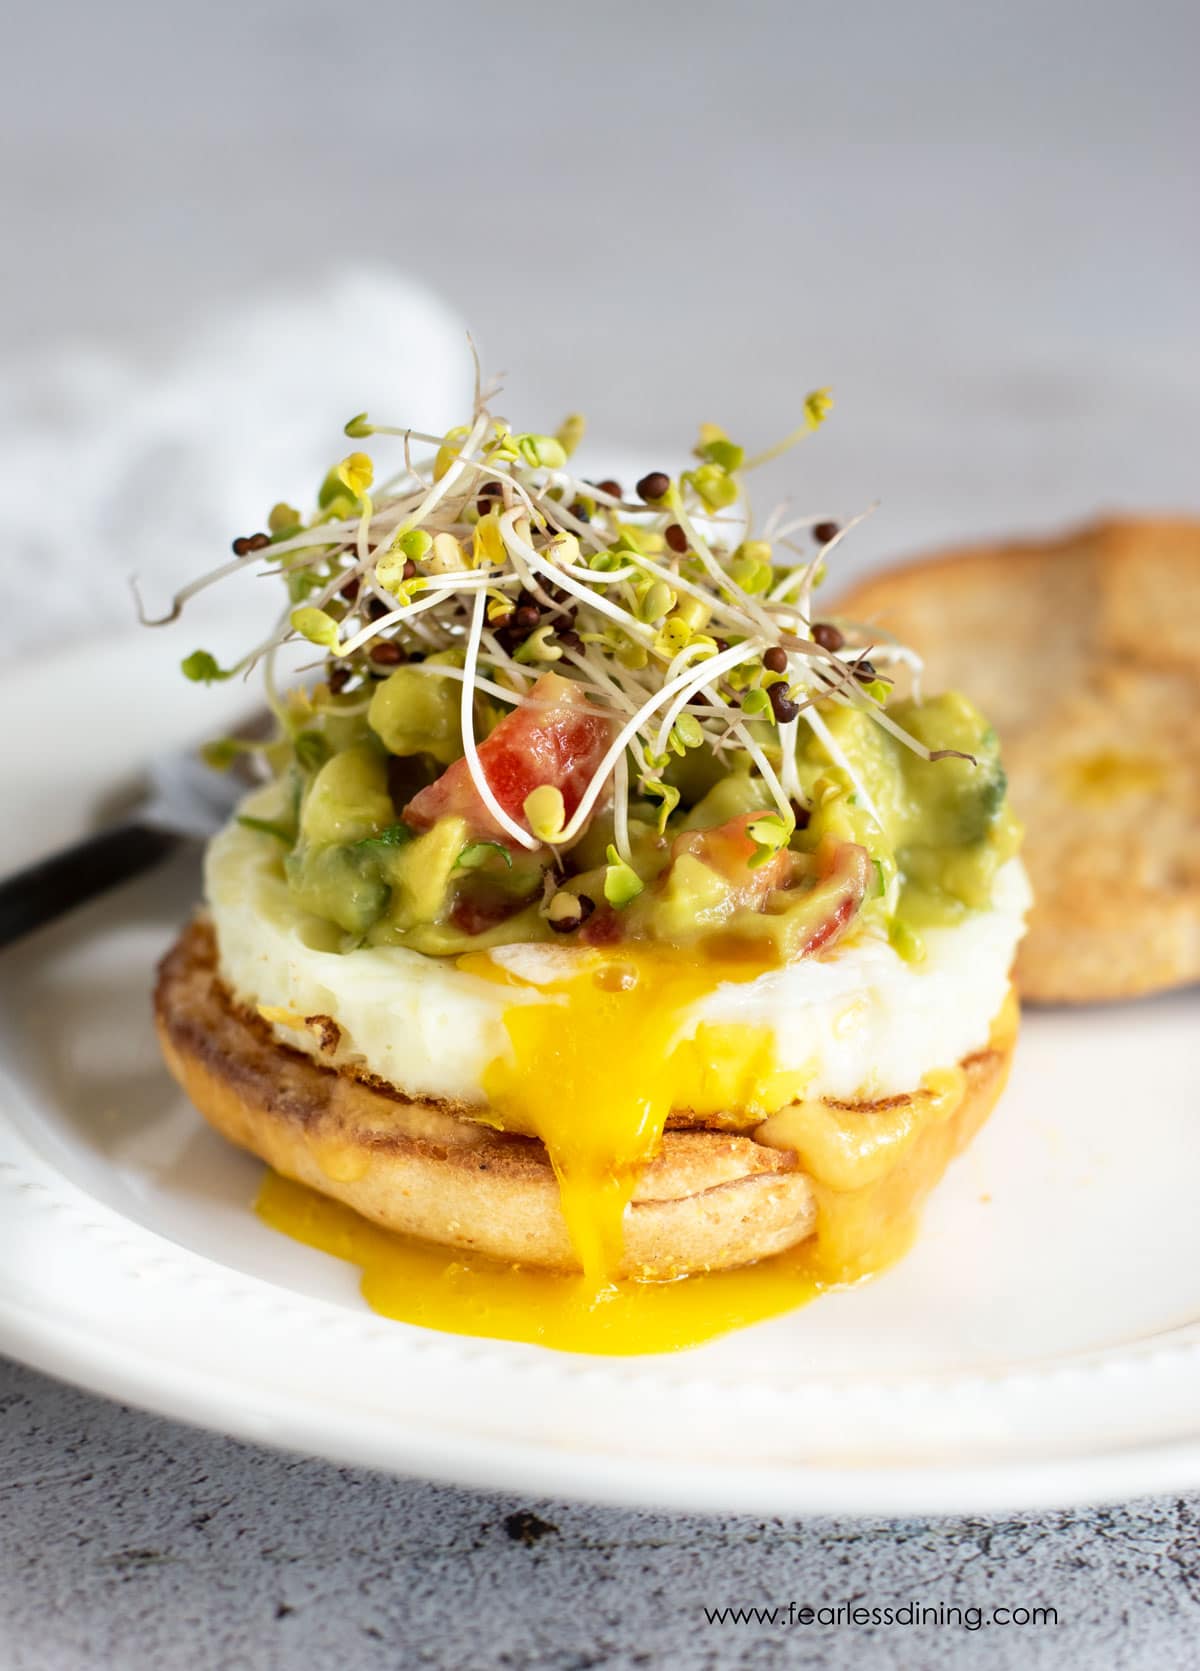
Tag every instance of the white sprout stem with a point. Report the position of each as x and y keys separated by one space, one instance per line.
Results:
x=802 y=433
x=801 y=577
x=582 y=530
x=689 y=683
x=374 y=628
x=731 y=614
x=270 y=684
x=882 y=717
x=463 y=461
x=765 y=770
x=621 y=741
x=771 y=525
x=530 y=581
x=604 y=680
x=621 y=808
x=471 y=752
x=596 y=577
x=503 y=662
x=406 y=434
x=605 y=685
x=440 y=670
x=186 y=592
x=320 y=534
x=700 y=546
x=519 y=548
x=838 y=755
x=789 y=775
x=467 y=580
x=780 y=531
x=632 y=694
x=362 y=544
x=687 y=656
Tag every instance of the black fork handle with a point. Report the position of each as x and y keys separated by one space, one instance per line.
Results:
x=53 y=886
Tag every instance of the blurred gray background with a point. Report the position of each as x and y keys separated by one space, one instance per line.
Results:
x=980 y=224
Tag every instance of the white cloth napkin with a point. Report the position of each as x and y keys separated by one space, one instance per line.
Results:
x=115 y=467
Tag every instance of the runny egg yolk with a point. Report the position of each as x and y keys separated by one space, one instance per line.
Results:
x=594 y=1072
x=595 y=1067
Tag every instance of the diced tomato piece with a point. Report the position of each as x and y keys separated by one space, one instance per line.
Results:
x=727 y=849
x=825 y=888
x=556 y=737
x=843 y=877
x=476 y=913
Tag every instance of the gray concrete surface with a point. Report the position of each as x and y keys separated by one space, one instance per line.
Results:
x=980 y=224
x=128 y=1541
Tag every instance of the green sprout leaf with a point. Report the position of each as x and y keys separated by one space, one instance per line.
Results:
x=476 y=853
x=817 y=407
x=396 y=835
x=358 y=427
x=755 y=702
x=312 y=750
x=221 y=753
x=203 y=668
x=541 y=452
x=689 y=730
x=302 y=583
x=414 y=543
x=411 y=545
x=751 y=566
x=545 y=812
x=538 y=647
x=284 y=520
x=316 y=626
x=906 y=941
x=669 y=797
x=571 y=432
x=715 y=486
x=715 y=447
x=656 y=599
x=269 y=827
x=768 y=833
x=356 y=472
x=621 y=882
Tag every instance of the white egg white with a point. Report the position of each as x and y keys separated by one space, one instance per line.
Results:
x=859 y=1021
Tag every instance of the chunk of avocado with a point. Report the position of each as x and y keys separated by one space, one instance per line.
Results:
x=420 y=875
x=340 y=882
x=348 y=799
x=952 y=802
x=728 y=798
x=417 y=713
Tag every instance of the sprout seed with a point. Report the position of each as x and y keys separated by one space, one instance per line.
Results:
x=654 y=486
x=828 y=636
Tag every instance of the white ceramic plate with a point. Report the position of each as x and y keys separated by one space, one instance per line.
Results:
x=1042 y=1344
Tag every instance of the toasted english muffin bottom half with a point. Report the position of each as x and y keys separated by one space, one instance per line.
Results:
x=723 y=1190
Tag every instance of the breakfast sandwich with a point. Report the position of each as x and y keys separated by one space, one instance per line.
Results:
x=602 y=917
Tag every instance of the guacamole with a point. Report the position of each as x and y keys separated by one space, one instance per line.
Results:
x=932 y=834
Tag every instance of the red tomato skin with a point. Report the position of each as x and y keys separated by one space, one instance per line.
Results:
x=728 y=849
x=556 y=738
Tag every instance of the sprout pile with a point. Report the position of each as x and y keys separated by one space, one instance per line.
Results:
x=484 y=558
